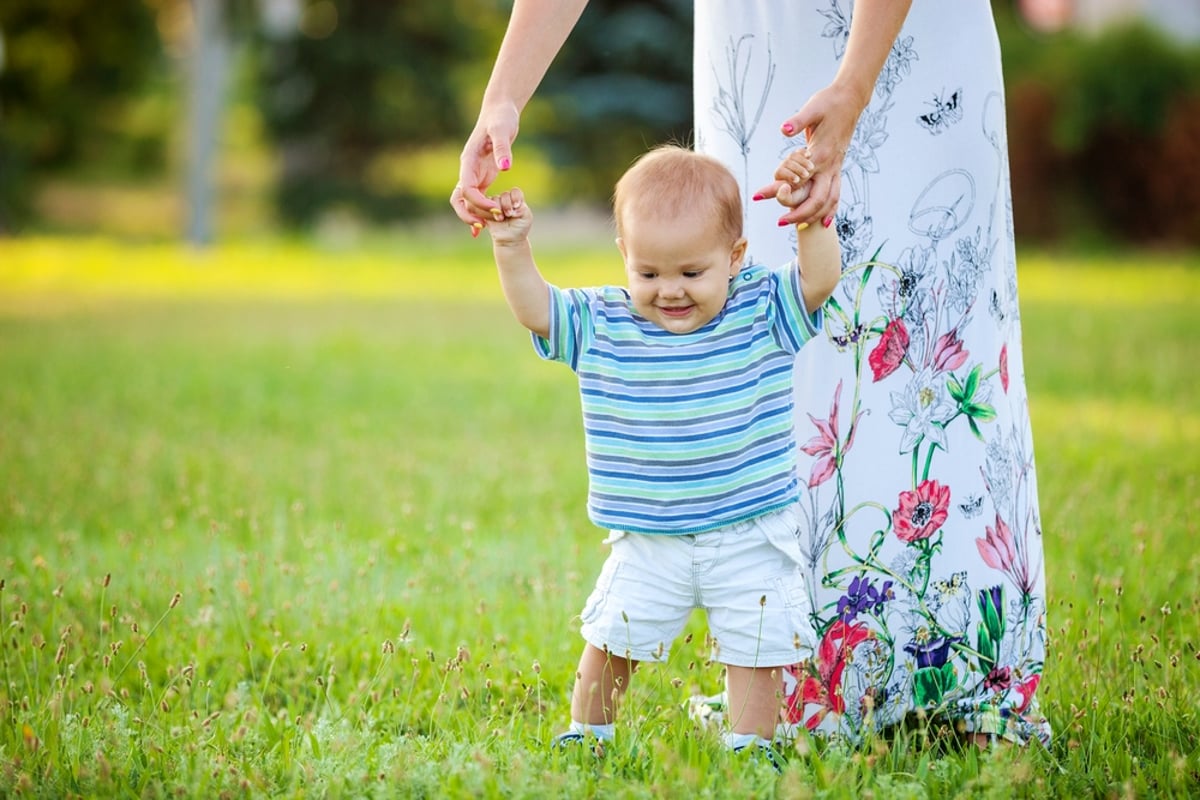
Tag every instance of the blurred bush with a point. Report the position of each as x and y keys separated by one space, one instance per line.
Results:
x=622 y=84
x=365 y=104
x=1104 y=135
x=352 y=83
x=359 y=87
x=69 y=75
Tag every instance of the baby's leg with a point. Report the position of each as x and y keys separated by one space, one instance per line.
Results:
x=600 y=683
x=754 y=695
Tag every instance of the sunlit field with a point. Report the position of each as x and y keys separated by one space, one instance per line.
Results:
x=283 y=520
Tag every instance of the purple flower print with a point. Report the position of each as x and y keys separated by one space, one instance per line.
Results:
x=932 y=653
x=862 y=597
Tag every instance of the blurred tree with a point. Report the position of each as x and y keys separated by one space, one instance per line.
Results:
x=351 y=81
x=65 y=68
x=211 y=49
x=622 y=83
x=217 y=26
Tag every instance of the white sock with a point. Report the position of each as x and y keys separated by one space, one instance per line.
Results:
x=604 y=733
x=736 y=741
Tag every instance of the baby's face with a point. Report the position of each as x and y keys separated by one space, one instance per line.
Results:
x=678 y=270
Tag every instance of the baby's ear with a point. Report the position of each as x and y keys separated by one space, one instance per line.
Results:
x=736 y=256
x=621 y=246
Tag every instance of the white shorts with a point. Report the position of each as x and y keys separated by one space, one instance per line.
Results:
x=746 y=577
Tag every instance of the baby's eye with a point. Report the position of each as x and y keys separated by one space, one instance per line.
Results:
x=647 y=276
x=692 y=273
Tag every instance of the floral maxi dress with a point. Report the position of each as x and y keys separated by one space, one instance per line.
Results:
x=920 y=520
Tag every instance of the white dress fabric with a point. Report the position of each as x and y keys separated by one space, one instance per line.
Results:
x=920 y=520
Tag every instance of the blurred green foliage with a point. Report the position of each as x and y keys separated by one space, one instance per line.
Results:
x=68 y=70
x=1104 y=134
x=351 y=83
x=622 y=83
x=339 y=104
x=354 y=96
x=1129 y=77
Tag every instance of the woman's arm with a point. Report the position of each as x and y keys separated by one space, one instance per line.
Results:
x=829 y=116
x=536 y=32
x=873 y=30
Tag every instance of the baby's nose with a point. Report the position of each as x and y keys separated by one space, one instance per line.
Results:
x=671 y=289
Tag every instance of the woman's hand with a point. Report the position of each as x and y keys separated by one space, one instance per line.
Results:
x=827 y=121
x=487 y=153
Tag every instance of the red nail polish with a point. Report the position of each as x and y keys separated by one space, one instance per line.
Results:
x=784 y=223
x=505 y=163
x=788 y=128
x=757 y=197
x=825 y=223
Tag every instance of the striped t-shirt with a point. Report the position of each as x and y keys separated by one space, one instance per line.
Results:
x=685 y=432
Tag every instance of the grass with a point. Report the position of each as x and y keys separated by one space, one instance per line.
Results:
x=284 y=521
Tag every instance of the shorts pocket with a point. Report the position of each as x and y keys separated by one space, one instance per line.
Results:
x=791 y=589
x=782 y=530
x=599 y=596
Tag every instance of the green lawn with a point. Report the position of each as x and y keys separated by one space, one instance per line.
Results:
x=278 y=521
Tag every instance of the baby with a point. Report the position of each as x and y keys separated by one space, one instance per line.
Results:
x=685 y=377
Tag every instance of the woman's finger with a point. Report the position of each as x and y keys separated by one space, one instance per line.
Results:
x=477 y=206
x=768 y=191
x=462 y=209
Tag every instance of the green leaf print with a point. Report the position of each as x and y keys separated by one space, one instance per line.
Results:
x=932 y=684
x=991 y=627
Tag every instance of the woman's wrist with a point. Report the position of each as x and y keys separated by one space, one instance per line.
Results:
x=852 y=90
x=499 y=105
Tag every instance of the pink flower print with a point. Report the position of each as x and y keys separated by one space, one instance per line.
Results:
x=890 y=352
x=1027 y=688
x=997 y=546
x=825 y=444
x=1004 y=368
x=999 y=551
x=949 y=353
x=921 y=512
x=824 y=689
x=998 y=680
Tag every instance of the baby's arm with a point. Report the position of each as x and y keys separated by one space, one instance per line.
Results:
x=818 y=253
x=524 y=287
x=819 y=257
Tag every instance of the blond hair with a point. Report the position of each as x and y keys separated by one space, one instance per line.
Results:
x=671 y=181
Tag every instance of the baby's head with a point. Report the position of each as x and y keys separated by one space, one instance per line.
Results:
x=671 y=182
x=679 y=228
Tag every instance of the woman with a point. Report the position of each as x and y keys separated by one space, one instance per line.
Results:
x=922 y=530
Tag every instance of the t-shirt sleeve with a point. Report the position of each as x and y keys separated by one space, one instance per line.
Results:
x=569 y=321
x=795 y=325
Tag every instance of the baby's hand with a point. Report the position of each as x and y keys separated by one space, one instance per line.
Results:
x=510 y=223
x=795 y=177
